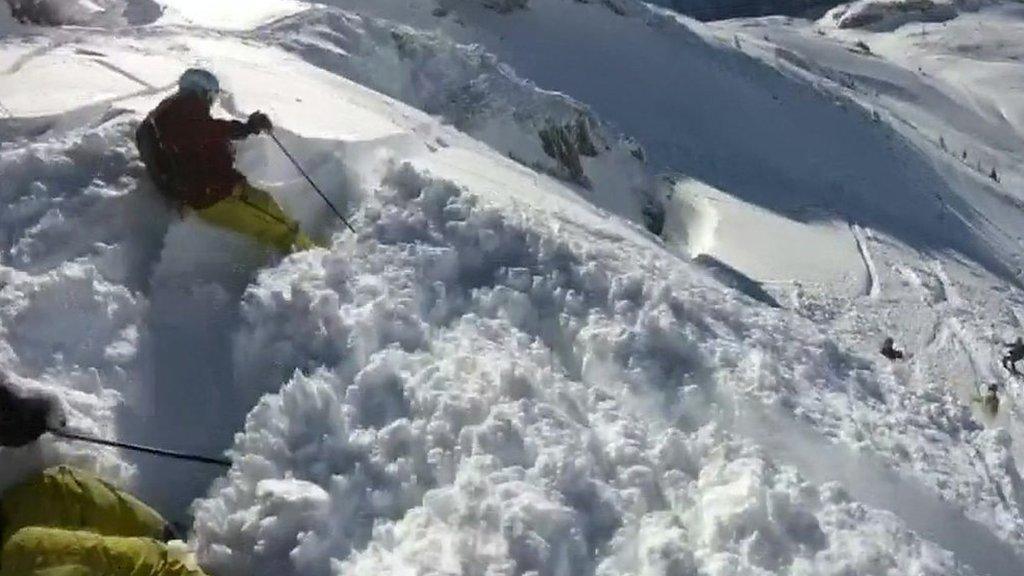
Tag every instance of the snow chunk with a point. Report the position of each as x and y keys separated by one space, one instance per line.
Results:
x=475 y=390
x=765 y=246
x=214 y=15
x=56 y=12
x=71 y=307
x=92 y=83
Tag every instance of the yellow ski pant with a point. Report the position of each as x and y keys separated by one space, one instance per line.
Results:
x=37 y=551
x=255 y=213
x=66 y=522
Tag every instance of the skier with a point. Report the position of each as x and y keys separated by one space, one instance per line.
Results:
x=190 y=157
x=990 y=401
x=889 y=351
x=1014 y=354
x=67 y=521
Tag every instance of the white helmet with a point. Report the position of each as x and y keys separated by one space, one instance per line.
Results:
x=200 y=82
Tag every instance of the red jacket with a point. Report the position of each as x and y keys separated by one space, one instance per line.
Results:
x=196 y=158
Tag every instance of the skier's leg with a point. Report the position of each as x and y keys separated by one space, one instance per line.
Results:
x=64 y=497
x=57 y=551
x=254 y=213
x=286 y=228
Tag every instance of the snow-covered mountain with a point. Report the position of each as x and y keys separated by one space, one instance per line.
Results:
x=613 y=304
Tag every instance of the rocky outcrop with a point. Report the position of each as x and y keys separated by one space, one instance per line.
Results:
x=566 y=143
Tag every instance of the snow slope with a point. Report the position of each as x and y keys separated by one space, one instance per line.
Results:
x=503 y=371
x=767 y=247
x=715 y=114
x=723 y=9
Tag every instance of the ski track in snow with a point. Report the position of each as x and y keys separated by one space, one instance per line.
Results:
x=29 y=56
x=126 y=74
x=873 y=288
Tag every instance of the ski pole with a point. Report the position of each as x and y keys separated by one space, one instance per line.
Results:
x=144 y=449
x=310 y=180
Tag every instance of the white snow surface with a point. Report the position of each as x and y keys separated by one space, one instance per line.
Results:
x=503 y=371
x=767 y=247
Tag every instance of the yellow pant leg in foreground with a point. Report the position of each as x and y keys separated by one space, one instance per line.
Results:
x=36 y=551
x=254 y=213
x=63 y=497
x=67 y=522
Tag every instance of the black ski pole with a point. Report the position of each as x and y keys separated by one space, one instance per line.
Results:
x=310 y=180
x=144 y=449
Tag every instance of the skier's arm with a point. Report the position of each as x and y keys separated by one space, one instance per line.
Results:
x=22 y=419
x=214 y=129
x=8 y=403
x=235 y=130
x=238 y=130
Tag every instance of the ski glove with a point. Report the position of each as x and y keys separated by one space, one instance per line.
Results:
x=259 y=122
x=23 y=419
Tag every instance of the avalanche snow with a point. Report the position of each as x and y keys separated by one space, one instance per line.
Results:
x=613 y=303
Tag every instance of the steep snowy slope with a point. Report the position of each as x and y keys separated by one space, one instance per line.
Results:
x=503 y=372
x=954 y=90
x=711 y=112
x=724 y=9
x=923 y=241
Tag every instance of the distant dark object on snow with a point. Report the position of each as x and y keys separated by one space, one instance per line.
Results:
x=889 y=351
